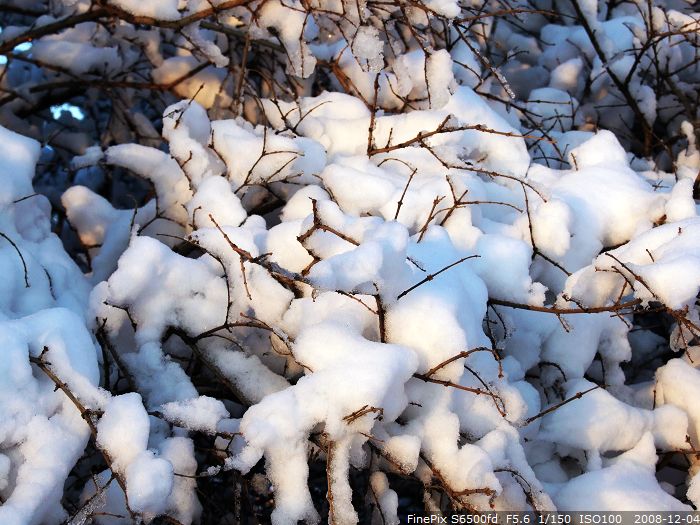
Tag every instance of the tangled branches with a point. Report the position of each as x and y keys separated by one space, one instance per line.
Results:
x=332 y=254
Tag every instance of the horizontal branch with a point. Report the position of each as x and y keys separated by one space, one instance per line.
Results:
x=107 y=10
x=49 y=29
x=566 y=311
x=171 y=24
x=445 y=128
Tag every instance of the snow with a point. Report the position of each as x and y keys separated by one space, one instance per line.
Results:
x=77 y=57
x=92 y=156
x=42 y=315
x=161 y=169
x=158 y=9
x=386 y=499
x=289 y=22
x=342 y=383
x=514 y=279
x=554 y=108
x=200 y=414
x=203 y=86
x=568 y=77
x=148 y=483
x=680 y=204
x=618 y=223
x=503 y=154
x=404 y=450
x=592 y=422
x=41 y=429
x=438 y=72
x=656 y=256
x=123 y=430
x=388 y=244
x=367 y=45
x=20 y=155
x=254 y=380
x=215 y=197
x=317 y=363
x=676 y=385
x=670 y=427
x=182 y=501
x=148 y=294
x=628 y=483
x=123 y=435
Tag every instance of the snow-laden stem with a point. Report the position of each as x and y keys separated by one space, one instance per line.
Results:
x=87 y=416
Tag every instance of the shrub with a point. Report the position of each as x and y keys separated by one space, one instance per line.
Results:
x=382 y=257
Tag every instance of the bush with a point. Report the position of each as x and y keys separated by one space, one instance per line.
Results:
x=382 y=257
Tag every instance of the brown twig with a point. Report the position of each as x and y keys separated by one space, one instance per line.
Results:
x=86 y=414
x=577 y=395
x=24 y=264
x=432 y=276
x=566 y=311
